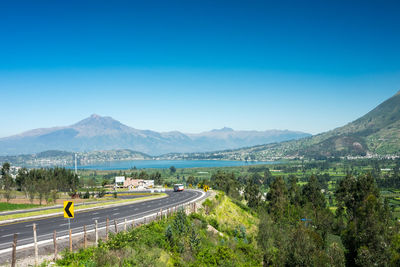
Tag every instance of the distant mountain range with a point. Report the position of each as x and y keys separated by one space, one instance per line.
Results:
x=376 y=133
x=104 y=133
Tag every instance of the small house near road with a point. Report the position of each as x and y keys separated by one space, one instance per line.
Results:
x=138 y=183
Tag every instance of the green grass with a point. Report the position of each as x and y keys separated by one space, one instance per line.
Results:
x=4 y=206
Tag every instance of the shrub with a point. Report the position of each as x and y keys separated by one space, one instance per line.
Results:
x=214 y=223
x=86 y=195
x=101 y=193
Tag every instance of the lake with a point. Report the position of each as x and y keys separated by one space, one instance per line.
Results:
x=164 y=164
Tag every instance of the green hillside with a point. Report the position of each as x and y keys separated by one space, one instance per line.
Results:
x=377 y=132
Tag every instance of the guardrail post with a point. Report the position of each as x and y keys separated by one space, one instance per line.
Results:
x=107 y=222
x=35 y=245
x=116 y=227
x=84 y=237
x=96 y=233
x=161 y=214
x=14 y=251
x=55 y=244
x=70 y=240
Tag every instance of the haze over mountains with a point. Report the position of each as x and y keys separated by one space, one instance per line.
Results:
x=377 y=132
x=105 y=133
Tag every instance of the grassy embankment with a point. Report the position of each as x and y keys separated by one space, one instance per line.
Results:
x=221 y=233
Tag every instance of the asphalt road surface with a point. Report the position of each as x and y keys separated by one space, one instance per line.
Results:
x=120 y=195
x=46 y=226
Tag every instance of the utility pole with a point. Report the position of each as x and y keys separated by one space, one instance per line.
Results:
x=76 y=167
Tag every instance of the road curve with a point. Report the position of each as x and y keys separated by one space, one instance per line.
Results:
x=46 y=226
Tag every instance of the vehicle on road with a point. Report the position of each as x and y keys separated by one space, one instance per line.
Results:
x=178 y=187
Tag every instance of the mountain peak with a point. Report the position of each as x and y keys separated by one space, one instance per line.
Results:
x=95 y=116
x=225 y=129
x=96 y=124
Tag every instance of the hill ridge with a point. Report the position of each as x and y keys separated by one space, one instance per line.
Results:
x=104 y=133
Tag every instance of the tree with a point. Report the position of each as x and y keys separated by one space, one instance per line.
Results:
x=267 y=177
x=312 y=193
x=8 y=184
x=226 y=182
x=252 y=193
x=191 y=180
x=172 y=169
x=367 y=233
x=7 y=181
x=92 y=182
x=278 y=198
x=273 y=240
x=20 y=179
x=30 y=188
x=6 y=168
x=104 y=182
x=157 y=178
x=41 y=188
x=294 y=191
x=143 y=175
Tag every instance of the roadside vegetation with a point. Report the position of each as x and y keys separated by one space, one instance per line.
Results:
x=327 y=212
x=200 y=239
x=10 y=206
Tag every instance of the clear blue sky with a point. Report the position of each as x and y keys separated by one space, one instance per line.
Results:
x=196 y=65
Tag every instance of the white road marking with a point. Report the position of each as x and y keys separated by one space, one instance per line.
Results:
x=9 y=235
x=116 y=213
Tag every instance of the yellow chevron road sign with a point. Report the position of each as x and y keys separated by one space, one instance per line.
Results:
x=68 y=209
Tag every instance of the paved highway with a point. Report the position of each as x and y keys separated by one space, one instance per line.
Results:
x=46 y=226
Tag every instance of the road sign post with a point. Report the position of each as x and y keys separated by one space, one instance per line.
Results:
x=69 y=213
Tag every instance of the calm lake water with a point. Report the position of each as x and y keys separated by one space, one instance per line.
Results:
x=164 y=164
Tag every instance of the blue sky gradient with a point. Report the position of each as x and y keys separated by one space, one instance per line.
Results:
x=197 y=65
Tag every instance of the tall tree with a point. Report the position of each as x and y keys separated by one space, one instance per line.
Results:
x=7 y=181
x=252 y=193
x=278 y=198
x=367 y=233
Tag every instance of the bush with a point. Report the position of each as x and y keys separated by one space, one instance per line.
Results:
x=86 y=195
x=208 y=205
x=101 y=193
x=214 y=223
x=197 y=216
